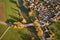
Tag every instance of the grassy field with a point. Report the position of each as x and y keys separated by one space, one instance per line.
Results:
x=2 y=28
x=11 y=12
x=14 y=34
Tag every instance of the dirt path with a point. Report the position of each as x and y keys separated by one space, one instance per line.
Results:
x=4 y=32
x=3 y=23
x=2 y=12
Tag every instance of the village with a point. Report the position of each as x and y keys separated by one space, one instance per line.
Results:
x=38 y=14
x=48 y=16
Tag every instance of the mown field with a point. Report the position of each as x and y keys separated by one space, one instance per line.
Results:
x=2 y=28
x=11 y=12
x=14 y=34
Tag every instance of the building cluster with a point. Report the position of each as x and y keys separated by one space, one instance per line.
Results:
x=45 y=12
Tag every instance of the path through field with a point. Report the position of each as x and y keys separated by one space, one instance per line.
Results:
x=4 y=33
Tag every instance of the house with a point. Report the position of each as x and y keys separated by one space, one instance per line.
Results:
x=46 y=22
x=31 y=5
x=37 y=7
x=51 y=16
x=31 y=1
x=53 y=19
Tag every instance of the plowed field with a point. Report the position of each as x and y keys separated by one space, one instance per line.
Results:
x=2 y=12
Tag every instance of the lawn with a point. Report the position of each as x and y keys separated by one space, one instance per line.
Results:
x=11 y=12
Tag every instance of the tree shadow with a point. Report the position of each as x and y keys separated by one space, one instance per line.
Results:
x=10 y=20
x=25 y=13
x=13 y=19
x=15 y=11
x=34 y=32
x=24 y=10
x=13 y=1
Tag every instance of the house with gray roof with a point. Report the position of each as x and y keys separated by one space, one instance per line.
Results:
x=31 y=1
